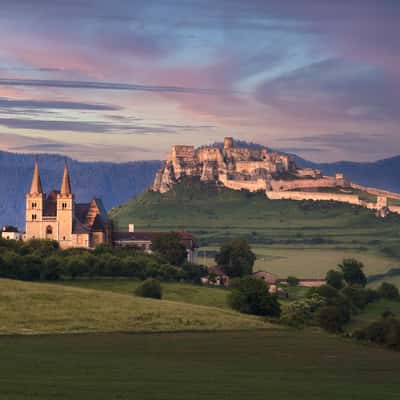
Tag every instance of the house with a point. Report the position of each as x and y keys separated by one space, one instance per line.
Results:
x=58 y=217
x=10 y=232
x=144 y=241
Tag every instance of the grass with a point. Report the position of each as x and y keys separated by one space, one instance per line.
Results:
x=181 y=292
x=202 y=366
x=35 y=308
x=215 y=215
x=373 y=312
x=311 y=262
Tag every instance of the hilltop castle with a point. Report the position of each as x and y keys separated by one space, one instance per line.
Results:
x=263 y=170
x=58 y=217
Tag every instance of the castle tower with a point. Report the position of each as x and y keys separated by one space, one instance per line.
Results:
x=34 y=207
x=65 y=210
x=228 y=143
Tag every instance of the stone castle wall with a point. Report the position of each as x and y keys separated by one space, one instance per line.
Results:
x=325 y=182
x=315 y=196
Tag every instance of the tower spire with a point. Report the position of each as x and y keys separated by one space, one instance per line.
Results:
x=66 y=183
x=36 y=185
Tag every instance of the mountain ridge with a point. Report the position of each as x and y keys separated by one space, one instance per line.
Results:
x=116 y=183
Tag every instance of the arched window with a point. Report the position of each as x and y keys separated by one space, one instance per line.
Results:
x=49 y=230
x=64 y=206
x=33 y=217
x=34 y=205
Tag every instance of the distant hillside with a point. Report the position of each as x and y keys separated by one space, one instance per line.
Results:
x=215 y=214
x=114 y=183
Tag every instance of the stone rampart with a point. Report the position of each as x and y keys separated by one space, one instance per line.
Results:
x=315 y=196
x=251 y=186
x=376 y=192
x=325 y=182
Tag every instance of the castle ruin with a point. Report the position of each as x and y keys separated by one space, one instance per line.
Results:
x=260 y=169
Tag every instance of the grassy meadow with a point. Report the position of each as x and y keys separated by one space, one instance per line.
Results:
x=304 y=239
x=236 y=365
x=173 y=291
x=38 y=308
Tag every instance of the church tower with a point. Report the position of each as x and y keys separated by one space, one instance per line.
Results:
x=65 y=211
x=34 y=206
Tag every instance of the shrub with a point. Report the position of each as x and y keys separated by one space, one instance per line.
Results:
x=236 y=258
x=360 y=297
x=330 y=318
x=149 y=288
x=385 y=332
x=302 y=313
x=353 y=272
x=388 y=291
x=334 y=279
x=250 y=296
x=292 y=281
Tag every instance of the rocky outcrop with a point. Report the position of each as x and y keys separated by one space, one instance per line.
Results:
x=234 y=167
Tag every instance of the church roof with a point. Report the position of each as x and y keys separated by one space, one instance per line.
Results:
x=36 y=185
x=66 y=182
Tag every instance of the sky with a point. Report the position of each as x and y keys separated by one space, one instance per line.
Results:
x=124 y=80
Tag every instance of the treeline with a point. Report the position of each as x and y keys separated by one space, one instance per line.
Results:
x=43 y=260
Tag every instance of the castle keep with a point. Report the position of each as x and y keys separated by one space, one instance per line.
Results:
x=58 y=217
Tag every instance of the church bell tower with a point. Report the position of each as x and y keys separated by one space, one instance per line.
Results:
x=65 y=210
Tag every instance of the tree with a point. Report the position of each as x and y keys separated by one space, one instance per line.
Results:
x=149 y=288
x=170 y=247
x=292 y=281
x=334 y=278
x=388 y=291
x=353 y=272
x=330 y=319
x=236 y=258
x=250 y=295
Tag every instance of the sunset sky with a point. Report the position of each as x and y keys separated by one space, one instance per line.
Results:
x=124 y=80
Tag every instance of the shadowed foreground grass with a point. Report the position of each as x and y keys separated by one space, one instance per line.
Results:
x=268 y=364
x=35 y=308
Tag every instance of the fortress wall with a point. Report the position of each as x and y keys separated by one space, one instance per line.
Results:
x=327 y=182
x=209 y=154
x=316 y=196
x=251 y=166
x=251 y=186
x=394 y=209
x=184 y=152
x=376 y=192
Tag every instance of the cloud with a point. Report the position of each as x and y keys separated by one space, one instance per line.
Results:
x=6 y=103
x=103 y=86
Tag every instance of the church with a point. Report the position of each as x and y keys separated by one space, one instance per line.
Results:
x=58 y=217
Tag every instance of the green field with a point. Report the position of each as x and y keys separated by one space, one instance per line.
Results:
x=298 y=238
x=309 y=262
x=181 y=292
x=216 y=214
x=37 y=308
x=255 y=365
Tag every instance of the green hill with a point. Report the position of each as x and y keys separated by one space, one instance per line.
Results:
x=216 y=214
x=304 y=238
x=35 y=308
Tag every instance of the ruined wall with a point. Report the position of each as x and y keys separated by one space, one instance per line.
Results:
x=251 y=186
x=315 y=196
x=376 y=192
x=325 y=182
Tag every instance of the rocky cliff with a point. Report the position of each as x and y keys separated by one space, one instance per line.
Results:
x=235 y=167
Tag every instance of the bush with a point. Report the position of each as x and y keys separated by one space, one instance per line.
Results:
x=236 y=258
x=302 y=313
x=385 y=332
x=149 y=288
x=388 y=291
x=360 y=297
x=334 y=279
x=330 y=318
x=250 y=296
x=292 y=281
x=353 y=272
